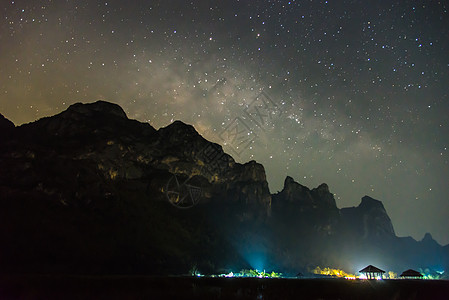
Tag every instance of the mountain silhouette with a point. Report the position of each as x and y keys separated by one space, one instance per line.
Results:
x=91 y=191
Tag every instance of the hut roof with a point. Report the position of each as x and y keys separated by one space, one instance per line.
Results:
x=371 y=269
x=411 y=273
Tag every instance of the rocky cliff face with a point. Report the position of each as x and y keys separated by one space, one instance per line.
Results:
x=94 y=145
x=369 y=219
x=305 y=208
x=305 y=198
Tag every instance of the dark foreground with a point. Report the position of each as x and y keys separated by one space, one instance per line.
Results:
x=78 y=287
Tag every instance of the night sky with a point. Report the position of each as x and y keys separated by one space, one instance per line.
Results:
x=351 y=93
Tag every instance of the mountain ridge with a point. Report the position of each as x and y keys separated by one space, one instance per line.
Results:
x=91 y=158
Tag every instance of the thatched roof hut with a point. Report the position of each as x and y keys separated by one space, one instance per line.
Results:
x=372 y=272
x=411 y=274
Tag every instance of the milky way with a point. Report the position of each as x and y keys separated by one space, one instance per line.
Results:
x=351 y=93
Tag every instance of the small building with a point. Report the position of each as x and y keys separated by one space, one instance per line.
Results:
x=411 y=274
x=372 y=272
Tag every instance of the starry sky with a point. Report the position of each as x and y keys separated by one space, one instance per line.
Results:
x=351 y=93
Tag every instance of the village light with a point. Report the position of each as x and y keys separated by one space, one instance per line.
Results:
x=231 y=274
x=333 y=272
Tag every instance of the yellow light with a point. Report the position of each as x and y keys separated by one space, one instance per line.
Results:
x=333 y=272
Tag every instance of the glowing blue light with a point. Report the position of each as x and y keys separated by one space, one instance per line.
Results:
x=257 y=260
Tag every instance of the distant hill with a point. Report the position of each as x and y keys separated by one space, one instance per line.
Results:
x=90 y=191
